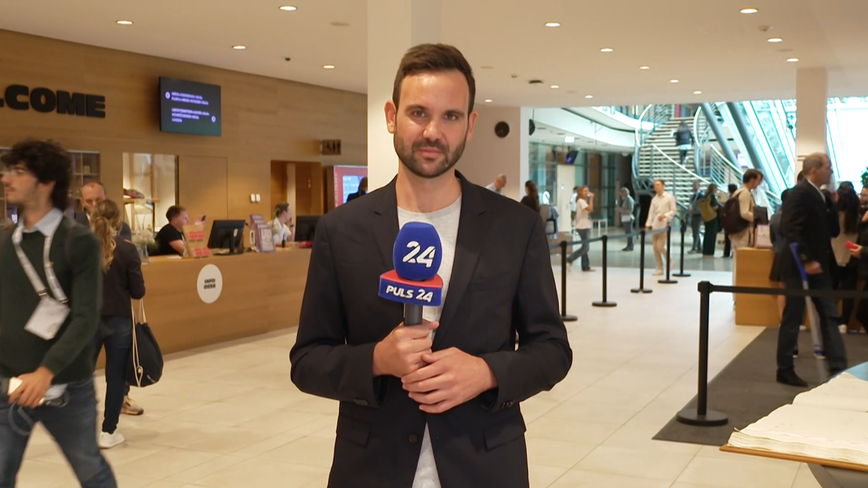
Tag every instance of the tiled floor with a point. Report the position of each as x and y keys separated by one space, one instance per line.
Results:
x=229 y=417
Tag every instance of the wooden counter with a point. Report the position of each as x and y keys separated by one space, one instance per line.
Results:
x=260 y=293
x=752 y=268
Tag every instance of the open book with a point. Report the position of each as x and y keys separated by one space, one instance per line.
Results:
x=828 y=422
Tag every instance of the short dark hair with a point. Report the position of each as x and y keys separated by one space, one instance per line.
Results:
x=174 y=211
x=751 y=175
x=48 y=162
x=280 y=208
x=732 y=187
x=661 y=181
x=428 y=58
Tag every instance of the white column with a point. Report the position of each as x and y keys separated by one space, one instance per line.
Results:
x=811 y=101
x=393 y=27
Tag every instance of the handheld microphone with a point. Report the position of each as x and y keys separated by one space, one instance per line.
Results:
x=414 y=281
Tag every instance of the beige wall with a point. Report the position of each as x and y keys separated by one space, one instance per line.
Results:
x=264 y=119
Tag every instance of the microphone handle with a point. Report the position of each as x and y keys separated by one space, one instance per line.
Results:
x=412 y=314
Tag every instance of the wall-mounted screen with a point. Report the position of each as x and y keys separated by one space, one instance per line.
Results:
x=187 y=107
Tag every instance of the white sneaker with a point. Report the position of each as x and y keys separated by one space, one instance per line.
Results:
x=108 y=441
x=658 y=272
x=842 y=328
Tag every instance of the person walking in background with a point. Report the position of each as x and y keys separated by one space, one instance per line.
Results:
x=531 y=196
x=695 y=217
x=746 y=203
x=708 y=207
x=584 y=207
x=846 y=274
x=660 y=216
x=497 y=185
x=683 y=141
x=625 y=210
x=122 y=282
x=573 y=198
x=363 y=190
x=727 y=244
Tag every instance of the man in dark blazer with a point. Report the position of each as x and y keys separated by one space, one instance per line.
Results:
x=363 y=190
x=416 y=411
x=91 y=193
x=807 y=223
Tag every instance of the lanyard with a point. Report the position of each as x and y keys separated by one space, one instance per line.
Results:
x=38 y=286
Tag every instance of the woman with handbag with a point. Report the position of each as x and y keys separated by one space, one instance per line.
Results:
x=122 y=281
x=708 y=208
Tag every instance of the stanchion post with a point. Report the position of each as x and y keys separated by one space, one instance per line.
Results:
x=701 y=416
x=564 y=316
x=641 y=288
x=668 y=280
x=604 y=302
x=682 y=274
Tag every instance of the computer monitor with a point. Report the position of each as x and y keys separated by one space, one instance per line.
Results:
x=305 y=227
x=222 y=232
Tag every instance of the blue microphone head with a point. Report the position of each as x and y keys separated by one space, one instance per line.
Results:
x=417 y=252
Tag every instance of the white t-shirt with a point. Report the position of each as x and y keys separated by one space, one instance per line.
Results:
x=446 y=222
x=573 y=199
x=583 y=218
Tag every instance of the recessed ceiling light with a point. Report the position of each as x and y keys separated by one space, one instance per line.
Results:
x=698 y=92
x=124 y=22
x=553 y=24
x=589 y=96
x=288 y=8
x=328 y=66
x=644 y=67
x=338 y=23
x=569 y=139
x=239 y=47
x=488 y=100
x=487 y=67
x=556 y=86
x=775 y=39
x=748 y=11
x=673 y=81
x=607 y=50
x=793 y=60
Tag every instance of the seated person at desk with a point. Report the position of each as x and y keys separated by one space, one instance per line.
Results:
x=92 y=193
x=281 y=226
x=170 y=239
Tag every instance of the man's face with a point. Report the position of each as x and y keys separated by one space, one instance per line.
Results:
x=431 y=125
x=22 y=187
x=754 y=183
x=90 y=196
x=658 y=187
x=181 y=220
x=500 y=183
x=823 y=174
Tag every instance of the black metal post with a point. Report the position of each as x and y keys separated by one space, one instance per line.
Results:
x=701 y=416
x=668 y=280
x=605 y=302
x=682 y=274
x=564 y=316
x=641 y=288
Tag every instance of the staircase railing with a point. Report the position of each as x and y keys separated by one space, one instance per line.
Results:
x=652 y=117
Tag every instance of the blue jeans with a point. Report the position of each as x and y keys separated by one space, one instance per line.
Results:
x=116 y=334
x=73 y=427
x=628 y=229
x=585 y=235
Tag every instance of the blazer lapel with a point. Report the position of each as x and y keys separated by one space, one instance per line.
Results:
x=385 y=226
x=472 y=229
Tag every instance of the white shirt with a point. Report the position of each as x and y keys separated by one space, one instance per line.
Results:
x=573 y=199
x=493 y=188
x=583 y=218
x=279 y=231
x=446 y=222
x=47 y=225
x=661 y=205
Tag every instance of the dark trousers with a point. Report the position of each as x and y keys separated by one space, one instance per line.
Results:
x=116 y=334
x=709 y=241
x=846 y=279
x=695 y=224
x=794 y=311
x=73 y=427
x=585 y=236
x=628 y=228
x=727 y=246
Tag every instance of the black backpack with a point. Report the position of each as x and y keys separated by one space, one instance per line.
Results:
x=730 y=216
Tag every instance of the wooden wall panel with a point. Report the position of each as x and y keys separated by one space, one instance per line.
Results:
x=264 y=119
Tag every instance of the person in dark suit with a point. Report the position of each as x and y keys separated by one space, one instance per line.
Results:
x=805 y=221
x=92 y=193
x=416 y=411
x=363 y=190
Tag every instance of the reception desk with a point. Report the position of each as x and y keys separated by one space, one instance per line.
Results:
x=196 y=302
x=752 y=268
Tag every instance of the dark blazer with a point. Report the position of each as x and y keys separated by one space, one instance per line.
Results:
x=806 y=220
x=501 y=284
x=353 y=196
x=123 y=280
x=125 y=232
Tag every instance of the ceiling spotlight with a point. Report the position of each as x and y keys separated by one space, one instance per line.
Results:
x=288 y=8
x=553 y=24
x=556 y=86
x=487 y=67
x=328 y=66
x=673 y=81
x=775 y=39
x=589 y=96
x=644 y=67
x=338 y=23
x=698 y=92
x=748 y=11
x=569 y=139
x=488 y=100
x=239 y=47
x=124 y=22
x=607 y=50
x=793 y=60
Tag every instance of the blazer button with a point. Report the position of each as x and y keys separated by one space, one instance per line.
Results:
x=414 y=438
x=361 y=402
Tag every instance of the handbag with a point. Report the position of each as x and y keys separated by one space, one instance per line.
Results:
x=146 y=365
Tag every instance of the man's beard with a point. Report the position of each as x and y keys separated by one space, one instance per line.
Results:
x=418 y=167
